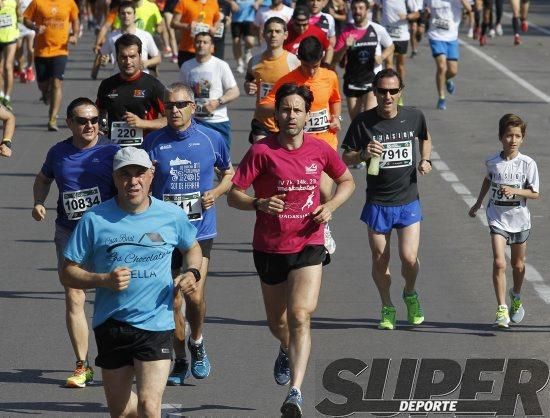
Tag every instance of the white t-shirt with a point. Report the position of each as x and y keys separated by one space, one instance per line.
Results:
x=262 y=15
x=148 y=47
x=510 y=214
x=209 y=80
x=331 y=29
x=391 y=9
x=445 y=17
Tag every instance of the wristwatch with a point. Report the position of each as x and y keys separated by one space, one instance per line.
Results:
x=6 y=142
x=220 y=101
x=428 y=161
x=195 y=273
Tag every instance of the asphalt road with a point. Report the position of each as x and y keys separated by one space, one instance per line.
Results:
x=455 y=256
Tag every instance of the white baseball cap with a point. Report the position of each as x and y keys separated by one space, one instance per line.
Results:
x=131 y=156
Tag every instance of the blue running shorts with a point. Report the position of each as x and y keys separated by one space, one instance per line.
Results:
x=448 y=48
x=383 y=219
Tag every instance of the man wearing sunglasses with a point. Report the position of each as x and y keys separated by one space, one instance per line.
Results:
x=299 y=28
x=82 y=168
x=186 y=155
x=392 y=133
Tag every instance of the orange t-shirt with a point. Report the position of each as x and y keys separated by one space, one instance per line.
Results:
x=56 y=15
x=326 y=91
x=203 y=13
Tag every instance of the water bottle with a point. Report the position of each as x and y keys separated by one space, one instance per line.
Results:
x=374 y=165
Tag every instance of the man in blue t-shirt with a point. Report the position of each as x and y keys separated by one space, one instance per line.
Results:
x=123 y=248
x=82 y=168
x=186 y=155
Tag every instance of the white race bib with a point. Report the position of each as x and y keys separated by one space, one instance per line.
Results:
x=200 y=110
x=318 y=121
x=219 y=31
x=198 y=28
x=126 y=135
x=265 y=88
x=440 y=23
x=394 y=31
x=78 y=202
x=396 y=154
x=498 y=197
x=190 y=202
x=6 y=21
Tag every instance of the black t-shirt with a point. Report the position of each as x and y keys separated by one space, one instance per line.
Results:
x=142 y=96
x=360 y=63
x=396 y=182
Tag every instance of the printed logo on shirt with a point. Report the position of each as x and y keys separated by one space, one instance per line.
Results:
x=163 y=147
x=95 y=160
x=113 y=94
x=193 y=144
x=139 y=93
x=178 y=161
x=312 y=169
x=149 y=239
x=372 y=34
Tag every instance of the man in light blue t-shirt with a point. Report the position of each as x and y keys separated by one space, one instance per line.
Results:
x=126 y=244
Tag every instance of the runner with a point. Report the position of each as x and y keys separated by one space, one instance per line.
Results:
x=191 y=18
x=511 y=179
x=50 y=19
x=288 y=234
x=130 y=102
x=299 y=29
x=277 y=9
x=213 y=84
x=361 y=45
x=9 y=33
x=168 y=15
x=122 y=248
x=182 y=150
x=323 y=21
x=8 y=121
x=25 y=43
x=264 y=70
x=520 y=9
x=221 y=26
x=390 y=132
x=242 y=30
x=444 y=18
x=81 y=167
x=150 y=55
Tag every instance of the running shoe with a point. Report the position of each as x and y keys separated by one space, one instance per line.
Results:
x=174 y=59
x=30 y=74
x=200 y=365
x=52 y=125
x=167 y=52
x=516 y=311
x=330 y=244
x=503 y=319
x=281 y=370
x=441 y=105
x=415 y=314
x=471 y=33
x=292 y=406
x=81 y=376
x=388 y=318
x=524 y=26
x=414 y=53
x=517 y=40
x=492 y=33
x=482 y=40
x=247 y=56
x=240 y=66
x=450 y=84
x=179 y=373
x=498 y=29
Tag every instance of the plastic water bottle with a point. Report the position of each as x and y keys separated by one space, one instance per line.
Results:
x=374 y=165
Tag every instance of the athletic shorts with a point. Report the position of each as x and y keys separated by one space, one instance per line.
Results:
x=383 y=219
x=206 y=248
x=401 y=47
x=240 y=29
x=355 y=92
x=224 y=128
x=184 y=56
x=257 y=129
x=274 y=268
x=169 y=6
x=5 y=44
x=448 y=48
x=61 y=238
x=511 y=237
x=119 y=343
x=50 y=67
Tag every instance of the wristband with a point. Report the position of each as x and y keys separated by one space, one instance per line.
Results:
x=6 y=142
x=195 y=273
x=38 y=202
x=428 y=161
x=256 y=204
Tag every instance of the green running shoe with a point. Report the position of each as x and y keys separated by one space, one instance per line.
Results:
x=415 y=314
x=388 y=318
x=82 y=375
x=503 y=319
x=516 y=311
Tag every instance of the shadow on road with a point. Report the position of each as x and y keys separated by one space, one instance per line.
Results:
x=35 y=408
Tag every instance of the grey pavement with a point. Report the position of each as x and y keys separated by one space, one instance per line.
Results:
x=455 y=256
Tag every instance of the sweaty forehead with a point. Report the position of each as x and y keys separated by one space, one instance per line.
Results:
x=388 y=82
x=85 y=110
x=178 y=95
x=293 y=101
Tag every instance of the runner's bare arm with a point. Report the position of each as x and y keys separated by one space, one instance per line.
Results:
x=40 y=191
x=137 y=122
x=344 y=189
x=482 y=192
x=209 y=197
x=74 y=276
x=424 y=167
x=192 y=259
x=237 y=198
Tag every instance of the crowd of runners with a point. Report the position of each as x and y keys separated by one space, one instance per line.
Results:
x=139 y=176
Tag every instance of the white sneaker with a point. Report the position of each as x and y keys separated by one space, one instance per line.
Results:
x=498 y=29
x=247 y=56
x=240 y=67
x=492 y=33
x=471 y=33
x=330 y=244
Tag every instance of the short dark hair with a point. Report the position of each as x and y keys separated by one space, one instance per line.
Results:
x=512 y=120
x=301 y=11
x=288 y=89
x=387 y=73
x=275 y=19
x=79 y=101
x=205 y=33
x=310 y=49
x=127 y=40
x=125 y=4
x=367 y=3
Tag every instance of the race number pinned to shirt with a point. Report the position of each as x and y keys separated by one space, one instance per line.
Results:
x=219 y=31
x=126 y=135
x=200 y=109
x=396 y=154
x=265 y=88
x=498 y=197
x=441 y=23
x=394 y=31
x=190 y=202
x=198 y=28
x=6 y=21
x=78 y=202
x=318 y=121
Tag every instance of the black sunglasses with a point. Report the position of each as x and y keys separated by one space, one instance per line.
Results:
x=383 y=92
x=83 y=121
x=179 y=104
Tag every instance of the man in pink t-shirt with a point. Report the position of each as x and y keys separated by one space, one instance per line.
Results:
x=285 y=171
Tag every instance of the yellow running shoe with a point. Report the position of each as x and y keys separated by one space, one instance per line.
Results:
x=82 y=374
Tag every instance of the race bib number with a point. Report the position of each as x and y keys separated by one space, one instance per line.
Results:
x=198 y=28
x=190 y=202
x=219 y=31
x=440 y=23
x=6 y=21
x=396 y=154
x=126 y=135
x=499 y=199
x=200 y=109
x=394 y=31
x=318 y=121
x=265 y=88
x=78 y=202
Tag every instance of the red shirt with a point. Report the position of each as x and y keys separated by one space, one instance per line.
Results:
x=272 y=169
x=293 y=41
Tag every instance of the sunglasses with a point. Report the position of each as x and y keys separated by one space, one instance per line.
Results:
x=301 y=23
x=84 y=121
x=383 y=92
x=180 y=104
